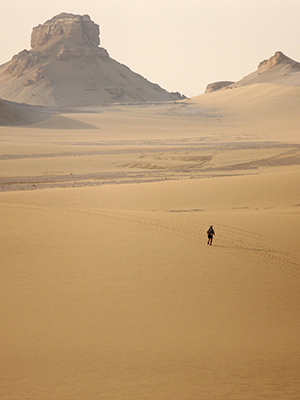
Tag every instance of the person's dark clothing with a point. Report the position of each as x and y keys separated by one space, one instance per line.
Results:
x=210 y=235
x=210 y=232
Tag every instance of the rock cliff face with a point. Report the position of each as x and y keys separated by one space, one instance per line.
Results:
x=278 y=59
x=66 y=67
x=278 y=69
x=78 y=29
x=212 y=87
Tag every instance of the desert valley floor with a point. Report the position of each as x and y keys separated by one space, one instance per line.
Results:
x=108 y=287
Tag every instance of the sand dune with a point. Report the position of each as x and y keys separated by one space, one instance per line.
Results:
x=109 y=289
x=12 y=114
x=267 y=109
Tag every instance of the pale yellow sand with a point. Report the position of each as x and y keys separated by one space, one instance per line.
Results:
x=112 y=292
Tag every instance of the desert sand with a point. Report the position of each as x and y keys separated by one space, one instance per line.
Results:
x=109 y=290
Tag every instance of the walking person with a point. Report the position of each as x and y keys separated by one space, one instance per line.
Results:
x=210 y=235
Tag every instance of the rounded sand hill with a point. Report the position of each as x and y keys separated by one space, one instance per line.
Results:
x=20 y=114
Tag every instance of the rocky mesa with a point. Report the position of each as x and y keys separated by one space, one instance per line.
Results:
x=67 y=67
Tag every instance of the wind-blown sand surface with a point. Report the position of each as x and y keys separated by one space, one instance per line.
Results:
x=109 y=289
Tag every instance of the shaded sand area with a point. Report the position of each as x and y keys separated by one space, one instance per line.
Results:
x=109 y=290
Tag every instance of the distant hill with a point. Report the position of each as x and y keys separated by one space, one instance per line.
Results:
x=279 y=69
x=66 y=67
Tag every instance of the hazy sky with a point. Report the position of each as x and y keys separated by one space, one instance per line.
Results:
x=180 y=44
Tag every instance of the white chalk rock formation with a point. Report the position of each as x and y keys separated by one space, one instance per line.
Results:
x=66 y=67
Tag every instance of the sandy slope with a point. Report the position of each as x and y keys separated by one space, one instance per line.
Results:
x=12 y=114
x=265 y=109
x=109 y=290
